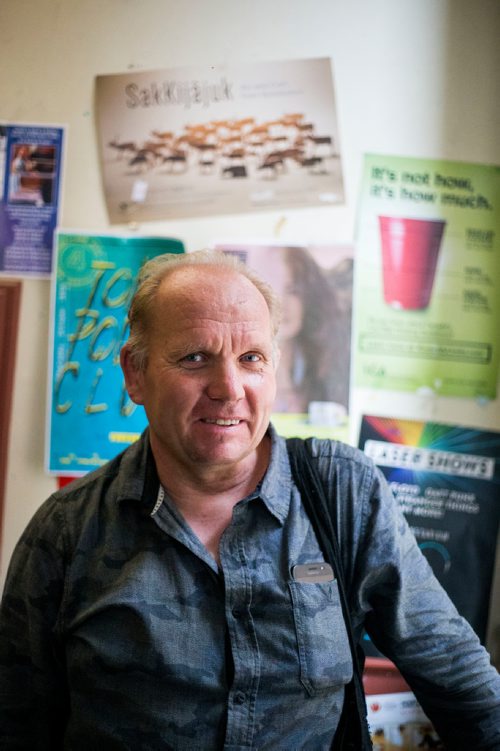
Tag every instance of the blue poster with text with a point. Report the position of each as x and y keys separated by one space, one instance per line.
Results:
x=91 y=418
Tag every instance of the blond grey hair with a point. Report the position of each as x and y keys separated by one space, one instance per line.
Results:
x=159 y=268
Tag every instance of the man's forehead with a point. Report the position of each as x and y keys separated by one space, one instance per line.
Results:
x=203 y=274
x=219 y=325
x=217 y=292
x=191 y=326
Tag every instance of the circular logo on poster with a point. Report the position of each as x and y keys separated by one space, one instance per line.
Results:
x=437 y=556
x=77 y=259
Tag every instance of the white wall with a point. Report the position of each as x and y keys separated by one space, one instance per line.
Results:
x=413 y=78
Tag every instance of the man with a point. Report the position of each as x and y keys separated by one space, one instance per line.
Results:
x=153 y=604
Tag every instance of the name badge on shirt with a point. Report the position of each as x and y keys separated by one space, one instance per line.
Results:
x=313 y=573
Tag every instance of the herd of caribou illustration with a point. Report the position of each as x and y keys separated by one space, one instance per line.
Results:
x=231 y=149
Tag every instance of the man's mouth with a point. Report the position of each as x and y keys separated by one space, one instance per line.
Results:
x=221 y=422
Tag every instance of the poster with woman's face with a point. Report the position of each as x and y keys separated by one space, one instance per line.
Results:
x=314 y=284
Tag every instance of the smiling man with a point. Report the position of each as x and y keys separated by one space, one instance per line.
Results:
x=207 y=384
x=160 y=601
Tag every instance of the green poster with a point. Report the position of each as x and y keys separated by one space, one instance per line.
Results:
x=427 y=277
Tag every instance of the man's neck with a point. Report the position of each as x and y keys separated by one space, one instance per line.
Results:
x=206 y=496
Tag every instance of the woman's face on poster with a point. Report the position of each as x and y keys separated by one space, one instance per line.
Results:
x=292 y=304
x=275 y=268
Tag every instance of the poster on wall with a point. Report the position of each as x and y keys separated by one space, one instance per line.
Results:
x=218 y=139
x=90 y=416
x=30 y=180
x=446 y=479
x=314 y=284
x=427 y=281
x=397 y=723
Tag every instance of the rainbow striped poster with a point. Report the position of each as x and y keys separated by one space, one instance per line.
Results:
x=446 y=479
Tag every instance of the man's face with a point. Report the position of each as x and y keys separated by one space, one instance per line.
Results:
x=209 y=384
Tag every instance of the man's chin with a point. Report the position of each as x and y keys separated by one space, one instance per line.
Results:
x=219 y=455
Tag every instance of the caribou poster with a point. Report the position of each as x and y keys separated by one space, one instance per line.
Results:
x=218 y=139
x=90 y=417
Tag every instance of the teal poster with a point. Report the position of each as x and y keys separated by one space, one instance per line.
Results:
x=446 y=480
x=90 y=417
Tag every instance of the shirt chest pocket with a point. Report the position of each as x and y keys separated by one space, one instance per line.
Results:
x=322 y=642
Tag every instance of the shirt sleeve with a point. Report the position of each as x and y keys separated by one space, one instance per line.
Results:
x=33 y=695
x=413 y=622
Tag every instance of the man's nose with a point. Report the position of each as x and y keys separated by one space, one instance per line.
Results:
x=226 y=382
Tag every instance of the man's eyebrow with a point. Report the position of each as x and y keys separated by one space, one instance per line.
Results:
x=185 y=349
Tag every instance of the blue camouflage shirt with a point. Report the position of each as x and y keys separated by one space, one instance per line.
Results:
x=119 y=631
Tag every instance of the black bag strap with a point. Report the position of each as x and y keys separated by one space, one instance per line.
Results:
x=352 y=732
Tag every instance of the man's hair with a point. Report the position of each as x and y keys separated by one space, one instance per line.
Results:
x=159 y=268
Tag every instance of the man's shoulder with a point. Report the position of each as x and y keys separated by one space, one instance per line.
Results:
x=339 y=449
x=334 y=451
x=87 y=510
x=338 y=464
x=121 y=477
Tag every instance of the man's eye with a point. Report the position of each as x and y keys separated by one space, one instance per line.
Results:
x=251 y=357
x=194 y=357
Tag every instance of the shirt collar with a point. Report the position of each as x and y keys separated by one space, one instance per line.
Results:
x=137 y=475
x=276 y=485
x=274 y=490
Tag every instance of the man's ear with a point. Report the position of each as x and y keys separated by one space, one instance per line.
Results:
x=134 y=378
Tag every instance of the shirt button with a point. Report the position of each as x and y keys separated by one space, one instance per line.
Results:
x=238 y=612
x=240 y=697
